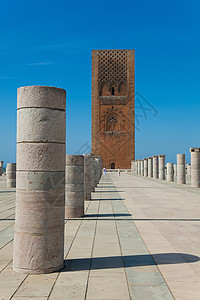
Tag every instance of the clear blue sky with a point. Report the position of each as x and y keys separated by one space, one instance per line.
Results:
x=50 y=42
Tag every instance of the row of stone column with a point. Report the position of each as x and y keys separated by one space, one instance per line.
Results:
x=42 y=184
x=83 y=173
x=154 y=167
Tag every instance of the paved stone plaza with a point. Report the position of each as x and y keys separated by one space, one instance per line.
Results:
x=140 y=239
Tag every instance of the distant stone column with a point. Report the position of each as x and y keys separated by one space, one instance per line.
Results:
x=189 y=170
x=40 y=194
x=195 y=167
x=142 y=167
x=180 y=168
x=99 y=168
x=155 y=166
x=175 y=170
x=74 y=186
x=89 y=175
x=1 y=167
x=170 y=172
x=145 y=167
x=134 y=167
x=11 y=175
x=161 y=167
x=150 y=167
x=139 y=167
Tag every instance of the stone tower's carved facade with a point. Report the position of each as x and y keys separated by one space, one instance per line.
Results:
x=113 y=107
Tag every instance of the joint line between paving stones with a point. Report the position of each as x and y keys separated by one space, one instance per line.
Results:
x=67 y=253
x=88 y=278
x=19 y=286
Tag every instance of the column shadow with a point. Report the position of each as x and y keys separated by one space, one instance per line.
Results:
x=112 y=262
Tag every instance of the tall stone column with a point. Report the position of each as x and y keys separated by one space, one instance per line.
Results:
x=170 y=172
x=155 y=166
x=74 y=186
x=145 y=167
x=180 y=168
x=195 y=167
x=40 y=194
x=11 y=175
x=161 y=167
x=142 y=167
x=139 y=166
x=89 y=175
x=1 y=167
x=150 y=167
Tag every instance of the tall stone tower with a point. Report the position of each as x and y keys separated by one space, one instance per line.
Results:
x=113 y=107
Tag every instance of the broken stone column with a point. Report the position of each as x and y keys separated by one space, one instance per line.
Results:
x=1 y=167
x=150 y=167
x=189 y=170
x=134 y=167
x=195 y=167
x=180 y=168
x=170 y=172
x=175 y=170
x=139 y=167
x=145 y=167
x=40 y=194
x=11 y=175
x=89 y=175
x=161 y=167
x=155 y=166
x=74 y=186
x=142 y=167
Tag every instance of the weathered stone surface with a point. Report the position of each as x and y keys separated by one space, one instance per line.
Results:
x=142 y=167
x=40 y=157
x=1 y=167
x=41 y=96
x=145 y=167
x=150 y=167
x=180 y=168
x=40 y=195
x=155 y=166
x=195 y=167
x=42 y=125
x=170 y=172
x=11 y=175
x=139 y=167
x=161 y=167
x=89 y=175
x=74 y=186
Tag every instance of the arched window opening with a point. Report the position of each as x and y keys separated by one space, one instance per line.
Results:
x=111 y=122
x=113 y=166
x=113 y=91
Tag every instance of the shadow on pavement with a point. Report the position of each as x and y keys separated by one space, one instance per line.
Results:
x=97 y=263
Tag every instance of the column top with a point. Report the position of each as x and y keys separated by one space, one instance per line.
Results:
x=41 y=97
x=74 y=160
x=161 y=155
x=195 y=149
x=155 y=156
x=145 y=158
x=150 y=157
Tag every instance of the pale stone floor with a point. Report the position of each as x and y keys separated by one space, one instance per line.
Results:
x=140 y=240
